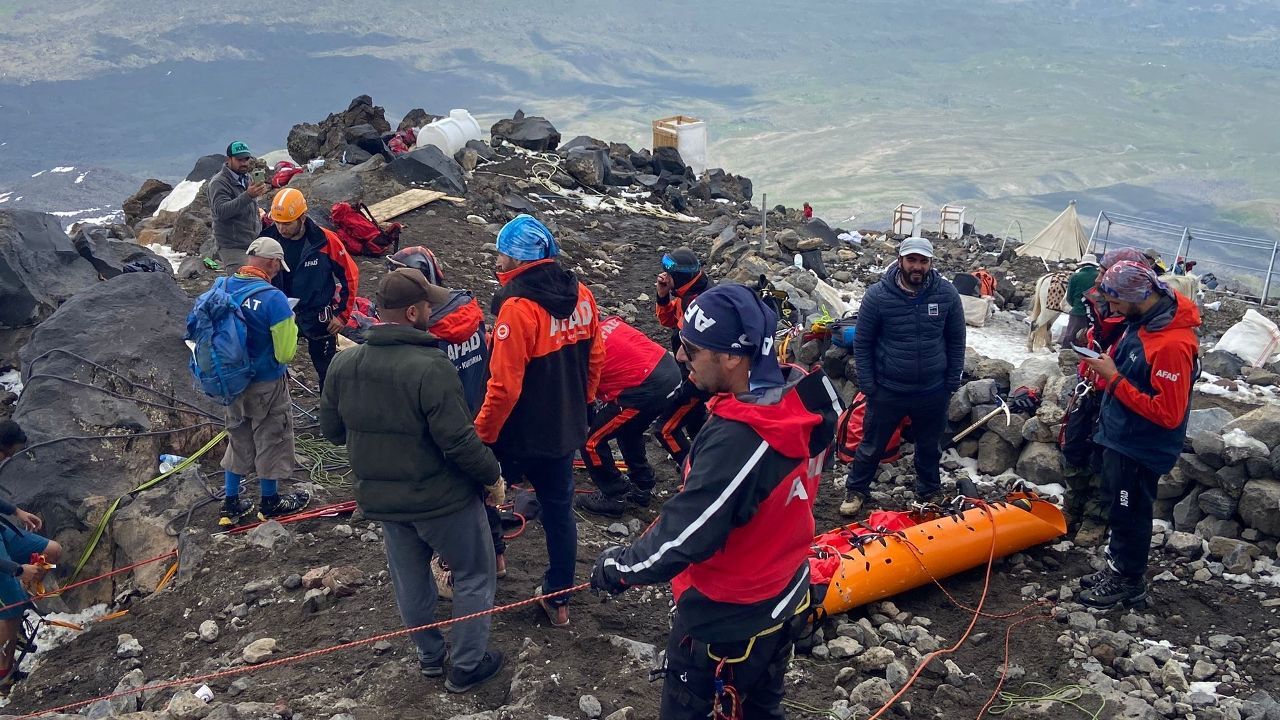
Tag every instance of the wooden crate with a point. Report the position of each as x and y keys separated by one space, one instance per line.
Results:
x=664 y=130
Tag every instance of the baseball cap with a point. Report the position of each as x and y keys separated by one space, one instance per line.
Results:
x=265 y=247
x=1089 y=259
x=239 y=149
x=405 y=287
x=915 y=246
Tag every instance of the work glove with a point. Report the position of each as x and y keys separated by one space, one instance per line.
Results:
x=604 y=577
x=496 y=494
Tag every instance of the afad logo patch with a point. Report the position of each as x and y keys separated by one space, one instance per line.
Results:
x=502 y=332
x=1171 y=377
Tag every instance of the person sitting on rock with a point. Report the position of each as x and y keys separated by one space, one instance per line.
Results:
x=1143 y=420
x=678 y=285
x=808 y=212
x=734 y=541
x=909 y=352
x=638 y=381
x=543 y=373
x=397 y=404
x=237 y=221
x=321 y=276
x=22 y=543
x=260 y=421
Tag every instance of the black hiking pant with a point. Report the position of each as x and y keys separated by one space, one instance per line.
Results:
x=885 y=411
x=689 y=690
x=322 y=351
x=1132 y=487
x=627 y=421
x=678 y=425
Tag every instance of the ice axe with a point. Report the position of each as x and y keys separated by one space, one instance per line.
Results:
x=1003 y=408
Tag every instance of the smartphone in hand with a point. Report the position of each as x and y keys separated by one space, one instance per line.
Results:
x=1086 y=352
x=258 y=175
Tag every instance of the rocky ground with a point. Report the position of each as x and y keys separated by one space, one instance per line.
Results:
x=1207 y=647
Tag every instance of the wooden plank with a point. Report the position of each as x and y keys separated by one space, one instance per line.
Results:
x=408 y=200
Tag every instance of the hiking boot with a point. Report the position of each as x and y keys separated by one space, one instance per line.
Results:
x=444 y=577
x=1091 y=533
x=500 y=565
x=640 y=498
x=433 y=668
x=557 y=614
x=1095 y=579
x=1115 y=590
x=234 y=509
x=600 y=504
x=462 y=681
x=853 y=501
x=280 y=505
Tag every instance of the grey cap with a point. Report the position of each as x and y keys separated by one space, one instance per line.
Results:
x=265 y=247
x=915 y=246
x=1089 y=259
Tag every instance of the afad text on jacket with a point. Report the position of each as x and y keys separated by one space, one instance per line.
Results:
x=321 y=275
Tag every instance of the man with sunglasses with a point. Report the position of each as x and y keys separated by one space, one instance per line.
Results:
x=909 y=352
x=678 y=285
x=734 y=541
x=1146 y=401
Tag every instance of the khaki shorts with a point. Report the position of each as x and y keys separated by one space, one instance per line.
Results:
x=260 y=432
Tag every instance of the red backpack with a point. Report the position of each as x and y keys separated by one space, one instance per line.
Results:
x=361 y=233
x=849 y=433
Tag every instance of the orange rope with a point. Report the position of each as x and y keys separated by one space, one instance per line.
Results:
x=302 y=656
x=87 y=581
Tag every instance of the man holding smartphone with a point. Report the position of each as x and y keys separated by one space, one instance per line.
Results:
x=233 y=196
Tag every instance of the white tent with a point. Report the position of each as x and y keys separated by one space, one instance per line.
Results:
x=1062 y=239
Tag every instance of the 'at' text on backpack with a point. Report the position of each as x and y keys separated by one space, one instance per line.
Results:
x=360 y=231
x=220 y=361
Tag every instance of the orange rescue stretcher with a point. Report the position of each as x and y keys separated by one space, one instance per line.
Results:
x=892 y=552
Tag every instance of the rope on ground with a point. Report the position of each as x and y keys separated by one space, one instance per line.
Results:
x=115 y=504
x=1069 y=695
x=302 y=656
x=324 y=461
x=810 y=709
x=88 y=581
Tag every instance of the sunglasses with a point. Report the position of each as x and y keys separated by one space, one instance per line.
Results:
x=689 y=348
x=671 y=265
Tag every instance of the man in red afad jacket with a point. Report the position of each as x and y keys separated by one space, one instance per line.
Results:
x=1143 y=420
x=639 y=378
x=734 y=541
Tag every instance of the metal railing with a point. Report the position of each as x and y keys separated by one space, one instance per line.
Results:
x=1213 y=246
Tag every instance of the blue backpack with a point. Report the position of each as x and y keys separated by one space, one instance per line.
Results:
x=220 y=361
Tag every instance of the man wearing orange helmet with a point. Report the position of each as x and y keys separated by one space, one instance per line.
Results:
x=322 y=276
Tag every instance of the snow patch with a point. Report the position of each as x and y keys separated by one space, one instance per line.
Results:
x=181 y=196
x=63 y=169
x=1209 y=687
x=80 y=179
x=74 y=213
x=4 y=196
x=11 y=381
x=175 y=258
x=38 y=174
x=1004 y=337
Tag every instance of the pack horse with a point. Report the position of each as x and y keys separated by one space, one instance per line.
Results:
x=1047 y=302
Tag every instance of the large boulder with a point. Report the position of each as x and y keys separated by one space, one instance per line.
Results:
x=1260 y=506
x=1262 y=424
x=131 y=325
x=144 y=203
x=588 y=165
x=1208 y=420
x=206 y=167
x=529 y=132
x=1221 y=363
x=1035 y=372
x=331 y=138
x=1041 y=463
x=723 y=186
x=109 y=255
x=429 y=166
x=667 y=160
x=416 y=118
x=995 y=454
x=39 y=267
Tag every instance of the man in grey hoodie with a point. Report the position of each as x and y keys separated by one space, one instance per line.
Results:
x=233 y=199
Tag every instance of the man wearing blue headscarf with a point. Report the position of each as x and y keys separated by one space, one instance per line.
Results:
x=543 y=373
x=734 y=541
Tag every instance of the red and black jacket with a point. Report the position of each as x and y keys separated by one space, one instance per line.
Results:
x=734 y=540
x=321 y=275
x=1145 y=409
x=670 y=310
x=545 y=363
x=459 y=324
x=629 y=358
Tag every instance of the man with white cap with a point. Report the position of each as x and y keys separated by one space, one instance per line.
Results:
x=1085 y=277
x=260 y=421
x=909 y=352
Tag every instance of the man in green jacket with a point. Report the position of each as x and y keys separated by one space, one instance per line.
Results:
x=1085 y=277
x=397 y=404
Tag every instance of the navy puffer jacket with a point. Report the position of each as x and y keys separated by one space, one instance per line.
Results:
x=910 y=345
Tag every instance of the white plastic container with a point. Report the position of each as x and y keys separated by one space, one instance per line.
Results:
x=450 y=134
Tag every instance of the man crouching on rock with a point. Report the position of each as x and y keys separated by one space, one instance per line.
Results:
x=734 y=540
x=397 y=404
x=1143 y=420
x=21 y=541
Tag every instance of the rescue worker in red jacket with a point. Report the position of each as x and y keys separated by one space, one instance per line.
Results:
x=1143 y=420
x=734 y=541
x=638 y=381
x=543 y=372
x=678 y=285
x=321 y=275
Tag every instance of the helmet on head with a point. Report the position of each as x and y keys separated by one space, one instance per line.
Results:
x=288 y=205
x=419 y=258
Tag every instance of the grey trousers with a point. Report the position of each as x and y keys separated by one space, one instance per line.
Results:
x=462 y=540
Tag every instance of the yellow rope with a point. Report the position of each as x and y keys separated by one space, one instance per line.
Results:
x=1066 y=695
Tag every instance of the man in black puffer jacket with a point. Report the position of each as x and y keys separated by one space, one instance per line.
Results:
x=909 y=351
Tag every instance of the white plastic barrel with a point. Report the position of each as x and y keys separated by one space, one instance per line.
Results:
x=450 y=134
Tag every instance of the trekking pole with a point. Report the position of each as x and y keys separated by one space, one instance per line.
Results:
x=302 y=385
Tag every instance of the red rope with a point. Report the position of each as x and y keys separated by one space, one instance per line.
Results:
x=86 y=581
x=302 y=656
x=1004 y=669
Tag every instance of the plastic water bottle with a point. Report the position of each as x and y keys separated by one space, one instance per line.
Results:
x=169 y=462
x=799 y=261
